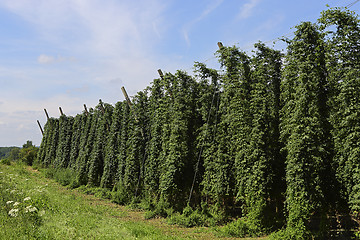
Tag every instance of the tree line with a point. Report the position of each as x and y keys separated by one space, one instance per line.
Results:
x=273 y=139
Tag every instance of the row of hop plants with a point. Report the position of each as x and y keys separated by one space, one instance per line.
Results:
x=272 y=141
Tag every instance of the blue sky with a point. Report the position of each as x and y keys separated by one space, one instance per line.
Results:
x=70 y=52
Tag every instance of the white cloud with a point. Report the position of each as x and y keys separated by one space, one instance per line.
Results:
x=247 y=9
x=112 y=42
x=45 y=59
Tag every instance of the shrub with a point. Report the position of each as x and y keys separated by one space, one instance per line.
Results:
x=189 y=218
x=5 y=161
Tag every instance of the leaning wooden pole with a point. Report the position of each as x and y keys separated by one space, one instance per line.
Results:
x=126 y=97
x=86 y=111
x=130 y=105
x=61 y=112
x=47 y=115
x=42 y=132
x=220 y=45
x=161 y=73
x=102 y=107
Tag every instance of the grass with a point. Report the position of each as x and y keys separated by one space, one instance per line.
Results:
x=62 y=213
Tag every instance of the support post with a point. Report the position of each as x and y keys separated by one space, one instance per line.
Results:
x=42 y=132
x=161 y=73
x=46 y=113
x=102 y=107
x=86 y=111
x=220 y=45
x=126 y=97
x=61 y=112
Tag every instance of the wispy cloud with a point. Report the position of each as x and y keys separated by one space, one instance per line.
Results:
x=45 y=59
x=208 y=9
x=246 y=10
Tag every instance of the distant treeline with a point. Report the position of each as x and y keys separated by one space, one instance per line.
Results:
x=5 y=151
x=273 y=138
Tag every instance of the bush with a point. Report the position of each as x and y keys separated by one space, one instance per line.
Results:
x=28 y=153
x=5 y=161
x=120 y=196
x=65 y=176
x=241 y=228
x=189 y=218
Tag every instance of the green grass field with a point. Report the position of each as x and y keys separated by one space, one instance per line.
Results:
x=34 y=207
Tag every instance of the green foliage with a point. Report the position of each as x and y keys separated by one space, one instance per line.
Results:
x=305 y=128
x=272 y=140
x=86 y=145
x=77 y=131
x=12 y=153
x=5 y=161
x=64 y=142
x=240 y=228
x=28 y=153
x=343 y=61
x=111 y=150
x=51 y=137
x=97 y=154
x=65 y=176
x=189 y=218
x=177 y=173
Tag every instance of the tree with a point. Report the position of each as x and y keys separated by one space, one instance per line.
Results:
x=28 y=153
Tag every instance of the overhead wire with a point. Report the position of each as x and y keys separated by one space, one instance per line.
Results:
x=202 y=143
x=352 y=4
x=275 y=40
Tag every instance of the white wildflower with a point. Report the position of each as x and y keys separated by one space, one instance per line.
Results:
x=9 y=202
x=27 y=199
x=30 y=209
x=14 y=212
x=16 y=203
x=1 y=172
x=42 y=213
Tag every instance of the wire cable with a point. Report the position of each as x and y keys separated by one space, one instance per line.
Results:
x=352 y=4
x=202 y=145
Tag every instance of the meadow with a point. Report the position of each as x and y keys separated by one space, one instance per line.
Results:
x=35 y=207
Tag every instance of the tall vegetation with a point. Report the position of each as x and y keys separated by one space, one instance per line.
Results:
x=272 y=139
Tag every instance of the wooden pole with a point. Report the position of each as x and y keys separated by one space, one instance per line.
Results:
x=42 y=132
x=61 y=112
x=126 y=97
x=86 y=111
x=46 y=113
x=220 y=45
x=102 y=107
x=161 y=73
